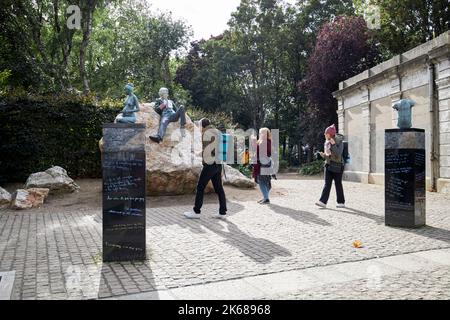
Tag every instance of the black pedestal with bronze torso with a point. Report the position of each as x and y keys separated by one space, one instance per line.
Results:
x=405 y=193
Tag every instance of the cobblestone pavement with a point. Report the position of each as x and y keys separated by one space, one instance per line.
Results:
x=427 y=285
x=56 y=250
x=420 y=275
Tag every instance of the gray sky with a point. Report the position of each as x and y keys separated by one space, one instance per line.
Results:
x=207 y=17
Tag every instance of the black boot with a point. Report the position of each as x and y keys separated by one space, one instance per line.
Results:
x=156 y=139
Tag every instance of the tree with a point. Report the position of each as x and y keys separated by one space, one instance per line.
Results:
x=207 y=73
x=31 y=32
x=130 y=43
x=253 y=69
x=304 y=22
x=87 y=8
x=405 y=24
x=119 y=41
x=343 y=49
x=256 y=36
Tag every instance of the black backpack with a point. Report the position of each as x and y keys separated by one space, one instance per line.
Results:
x=345 y=153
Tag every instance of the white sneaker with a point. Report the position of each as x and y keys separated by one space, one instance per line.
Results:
x=191 y=215
x=220 y=216
x=321 y=204
x=340 y=205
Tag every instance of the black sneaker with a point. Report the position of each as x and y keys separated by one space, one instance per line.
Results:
x=155 y=139
x=267 y=201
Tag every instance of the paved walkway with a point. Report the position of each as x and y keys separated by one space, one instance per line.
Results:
x=56 y=250
x=423 y=275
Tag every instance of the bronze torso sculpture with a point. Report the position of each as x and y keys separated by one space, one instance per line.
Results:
x=404 y=113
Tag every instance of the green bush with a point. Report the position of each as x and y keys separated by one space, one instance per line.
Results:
x=37 y=132
x=218 y=119
x=284 y=164
x=4 y=75
x=312 y=169
x=245 y=170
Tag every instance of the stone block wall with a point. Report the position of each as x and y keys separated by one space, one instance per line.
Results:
x=365 y=110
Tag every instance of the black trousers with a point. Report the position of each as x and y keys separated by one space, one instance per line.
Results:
x=329 y=178
x=211 y=172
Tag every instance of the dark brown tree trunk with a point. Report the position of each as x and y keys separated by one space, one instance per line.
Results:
x=87 y=27
x=166 y=71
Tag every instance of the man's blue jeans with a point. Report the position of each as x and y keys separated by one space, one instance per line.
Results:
x=171 y=117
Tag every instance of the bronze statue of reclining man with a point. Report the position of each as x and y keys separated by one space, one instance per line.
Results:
x=169 y=112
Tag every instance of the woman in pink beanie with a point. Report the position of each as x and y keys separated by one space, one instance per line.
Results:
x=329 y=132
x=334 y=167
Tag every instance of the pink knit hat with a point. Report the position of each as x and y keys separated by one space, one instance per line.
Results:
x=331 y=130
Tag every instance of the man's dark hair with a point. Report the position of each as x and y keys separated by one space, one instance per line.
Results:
x=205 y=122
x=221 y=127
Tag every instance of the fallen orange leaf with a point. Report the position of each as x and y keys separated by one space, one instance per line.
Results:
x=357 y=244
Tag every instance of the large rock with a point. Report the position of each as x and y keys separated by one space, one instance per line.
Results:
x=173 y=166
x=30 y=198
x=235 y=178
x=55 y=179
x=5 y=198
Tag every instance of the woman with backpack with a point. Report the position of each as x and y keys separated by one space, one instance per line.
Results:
x=263 y=145
x=334 y=167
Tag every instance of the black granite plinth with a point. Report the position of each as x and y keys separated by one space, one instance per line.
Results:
x=124 y=202
x=405 y=193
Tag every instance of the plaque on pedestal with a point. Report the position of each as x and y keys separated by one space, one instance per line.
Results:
x=124 y=203
x=405 y=178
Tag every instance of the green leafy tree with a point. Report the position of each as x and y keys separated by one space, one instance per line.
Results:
x=253 y=68
x=130 y=43
x=405 y=24
x=119 y=41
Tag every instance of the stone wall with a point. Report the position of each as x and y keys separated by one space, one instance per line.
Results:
x=365 y=110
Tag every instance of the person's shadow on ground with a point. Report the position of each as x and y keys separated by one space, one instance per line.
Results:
x=377 y=218
x=258 y=249
x=174 y=216
x=301 y=216
x=425 y=231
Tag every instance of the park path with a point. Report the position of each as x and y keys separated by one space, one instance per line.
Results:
x=55 y=251
x=421 y=275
